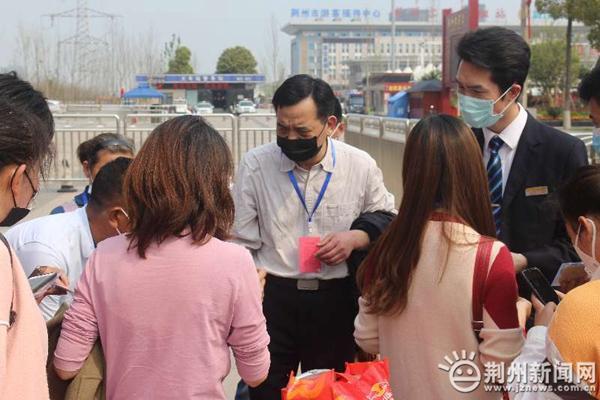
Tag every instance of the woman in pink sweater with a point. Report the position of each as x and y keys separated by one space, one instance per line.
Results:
x=171 y=298
x=26 y=130
x=417 y=283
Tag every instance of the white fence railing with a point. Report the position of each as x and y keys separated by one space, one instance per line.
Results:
x=383 y=138
x=70 y=131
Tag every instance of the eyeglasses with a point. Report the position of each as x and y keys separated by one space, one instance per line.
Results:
x=35 y=191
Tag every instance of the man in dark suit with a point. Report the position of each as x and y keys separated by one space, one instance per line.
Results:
x=526 y=160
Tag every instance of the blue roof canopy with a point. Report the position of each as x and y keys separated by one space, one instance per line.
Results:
x=143 y=93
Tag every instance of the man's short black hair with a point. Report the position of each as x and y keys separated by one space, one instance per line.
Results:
x=113 y=142
x=21 y=94
x=501 y=51
x=299 y=87
x=589 y=88
x=337 y=111
x=108 y=185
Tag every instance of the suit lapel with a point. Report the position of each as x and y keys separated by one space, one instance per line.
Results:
x=523 y=161
x=480 y=138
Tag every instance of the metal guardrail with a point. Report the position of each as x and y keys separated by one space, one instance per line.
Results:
x=70 y=131
x=73 y=129
x=137 y=127
x=251 y=136
x=383 y=138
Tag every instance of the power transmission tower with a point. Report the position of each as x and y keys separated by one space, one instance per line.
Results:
x=85 y=48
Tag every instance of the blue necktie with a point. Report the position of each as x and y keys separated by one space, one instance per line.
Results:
x=494 y=171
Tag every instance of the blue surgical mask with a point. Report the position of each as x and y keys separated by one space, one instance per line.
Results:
x=479 y=113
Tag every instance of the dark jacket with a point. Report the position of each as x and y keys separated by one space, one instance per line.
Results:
x=374 y=224
x=531 y=220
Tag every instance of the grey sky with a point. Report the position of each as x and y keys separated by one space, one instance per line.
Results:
x=207 y=27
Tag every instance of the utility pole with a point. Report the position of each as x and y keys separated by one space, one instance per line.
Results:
x=567 y=90
x=525 y=32
x=393 y=17
x=85 y=47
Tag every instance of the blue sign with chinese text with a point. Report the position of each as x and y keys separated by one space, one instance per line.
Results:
x=198 y=78
x=335 y=13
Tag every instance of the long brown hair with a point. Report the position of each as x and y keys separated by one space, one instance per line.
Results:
x=442 y=170
x=179 y=181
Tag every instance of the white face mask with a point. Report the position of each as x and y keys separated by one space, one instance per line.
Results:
x=127 y=216
x=335 y=130
x=592 y=266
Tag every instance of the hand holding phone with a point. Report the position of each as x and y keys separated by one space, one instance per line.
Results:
x=48 y=281
x=543 y=313
x=540 y=286
x=41 y=283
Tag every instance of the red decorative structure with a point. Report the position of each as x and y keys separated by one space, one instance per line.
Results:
x=454 y=26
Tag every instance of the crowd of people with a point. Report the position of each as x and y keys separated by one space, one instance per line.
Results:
x=169 y=260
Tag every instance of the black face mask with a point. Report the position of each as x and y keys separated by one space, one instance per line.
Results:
x=17 y=213
x=14 y=215
x=299 y=150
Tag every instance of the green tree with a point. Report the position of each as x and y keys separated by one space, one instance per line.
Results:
x=236 y=60
x=586 y=11
x=549 y=69
x=432 y=75
x=170 y=47
x=180 y=63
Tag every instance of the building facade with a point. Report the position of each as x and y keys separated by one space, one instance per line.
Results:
x=343 y=51
x=340 y=51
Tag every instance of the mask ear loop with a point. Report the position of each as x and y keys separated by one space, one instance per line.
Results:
x=593 y=239
x=336 y=128
x=577 y=236
x=508 y=105
x=127 y=216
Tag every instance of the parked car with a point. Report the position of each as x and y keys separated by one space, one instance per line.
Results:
x=180 y=107
x=204 y=107
x=245 y=107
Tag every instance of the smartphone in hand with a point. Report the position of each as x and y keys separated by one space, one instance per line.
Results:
x=48 y=281
x=40 y=284
x=540 y=286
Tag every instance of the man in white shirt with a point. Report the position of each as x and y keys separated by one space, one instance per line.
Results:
x=295 y=202
x=65 y=241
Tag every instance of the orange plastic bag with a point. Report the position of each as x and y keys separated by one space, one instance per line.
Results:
x=368 y=380
x=360 y=381
x=313 y=385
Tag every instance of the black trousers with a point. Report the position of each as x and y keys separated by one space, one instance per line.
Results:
x=313 y=328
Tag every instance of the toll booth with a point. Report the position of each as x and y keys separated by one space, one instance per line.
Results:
x=425 y=98
x=221 y=90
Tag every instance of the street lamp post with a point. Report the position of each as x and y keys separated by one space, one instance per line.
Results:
x=393 y=52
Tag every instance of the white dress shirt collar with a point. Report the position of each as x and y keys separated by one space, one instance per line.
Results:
x=512 y=133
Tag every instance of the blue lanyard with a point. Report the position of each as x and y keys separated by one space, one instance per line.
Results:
x=323 y=188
